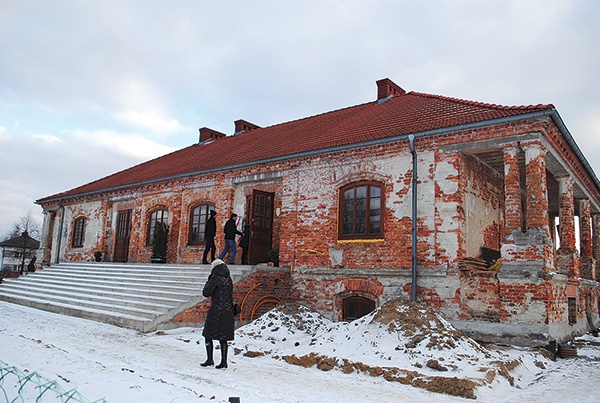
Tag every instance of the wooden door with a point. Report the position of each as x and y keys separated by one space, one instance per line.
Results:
x=261 y=226
x=122 y=236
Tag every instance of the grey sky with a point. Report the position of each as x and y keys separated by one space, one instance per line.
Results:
x=88 y=88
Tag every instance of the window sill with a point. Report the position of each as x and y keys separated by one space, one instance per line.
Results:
x=366 y=240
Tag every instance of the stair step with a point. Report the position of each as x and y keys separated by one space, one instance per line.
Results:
x=138 y=296
x=100 y=315
x=141 y=294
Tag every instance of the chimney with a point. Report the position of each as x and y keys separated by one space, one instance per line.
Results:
x=242 y=125
x=387 y=88
x=210 y=134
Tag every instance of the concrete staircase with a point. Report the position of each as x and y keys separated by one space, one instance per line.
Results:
x=135 y=296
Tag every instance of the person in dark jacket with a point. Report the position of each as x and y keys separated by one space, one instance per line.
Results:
x=209 y=237
x=244 y=242
x=219 y=323
x=230 y=232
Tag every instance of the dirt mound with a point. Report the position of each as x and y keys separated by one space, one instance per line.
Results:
x=401 y=341
x=418 y=323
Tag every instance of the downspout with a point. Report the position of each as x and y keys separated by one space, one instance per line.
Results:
x=60 y=229
x=411 y=144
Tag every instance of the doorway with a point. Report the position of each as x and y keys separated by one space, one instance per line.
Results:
x=260 y=213
x=122 y=236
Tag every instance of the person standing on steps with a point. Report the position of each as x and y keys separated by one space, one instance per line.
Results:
x=244 y=242
x=219 y=323
x=209 y=237
x=230 y=232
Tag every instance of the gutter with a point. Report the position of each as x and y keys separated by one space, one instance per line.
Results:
x=411 y=144
x=403 y=137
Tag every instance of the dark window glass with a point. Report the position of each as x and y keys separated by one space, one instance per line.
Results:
x=78 y=232
x=360 y=211
x=572 y=309
x=156 y=216
x=198 y=218
x=357 y=307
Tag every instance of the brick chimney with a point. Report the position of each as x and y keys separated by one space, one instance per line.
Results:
x=208 y=134
x=387 y=88
x=242 y=125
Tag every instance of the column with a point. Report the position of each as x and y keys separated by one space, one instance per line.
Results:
x=566 y=214
x=513 y=215
x=537 y=191
x=567 y=259
x=596 y=244
x=585 y=239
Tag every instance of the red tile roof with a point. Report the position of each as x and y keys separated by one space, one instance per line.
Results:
x=399 y=115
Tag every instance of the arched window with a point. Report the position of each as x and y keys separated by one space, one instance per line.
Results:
x=357 y=307
x=156 y=216
x=360 y=212
x=198 y=217
x=78 y=232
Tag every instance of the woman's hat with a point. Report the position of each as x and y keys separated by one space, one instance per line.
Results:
x=216 y=262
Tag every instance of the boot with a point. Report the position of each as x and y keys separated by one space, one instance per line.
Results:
x=209 y=353
x=224 y=347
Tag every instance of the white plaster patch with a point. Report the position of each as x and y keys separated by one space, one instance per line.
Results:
x=336 y=257
x=443 y=171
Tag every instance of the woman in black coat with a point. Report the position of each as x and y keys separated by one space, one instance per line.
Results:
x=219 y=323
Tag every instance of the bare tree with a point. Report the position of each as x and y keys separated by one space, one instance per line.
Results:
x=25 y=233
x=26 y=223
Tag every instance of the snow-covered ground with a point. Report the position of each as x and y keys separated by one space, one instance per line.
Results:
x=398 y=353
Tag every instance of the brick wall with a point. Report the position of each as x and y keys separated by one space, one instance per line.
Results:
x=460 y=209
x=260 y=291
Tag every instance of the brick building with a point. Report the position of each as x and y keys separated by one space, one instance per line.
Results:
x=460 y=198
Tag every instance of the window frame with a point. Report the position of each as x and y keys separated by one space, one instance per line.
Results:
x=78 y=237
x=201 y=224
x=341 y=210
x=153 y=219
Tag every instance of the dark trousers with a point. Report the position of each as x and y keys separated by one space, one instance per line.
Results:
x=210 y=246
x=244 y=255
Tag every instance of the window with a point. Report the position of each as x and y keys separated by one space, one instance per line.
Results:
x=78 y=232
x=357 y=307
x=155 y=216
x=360 y=211
x=572 y=310
x=198 y=217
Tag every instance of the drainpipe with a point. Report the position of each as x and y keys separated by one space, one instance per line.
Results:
x=60 y=229
x=411 y=143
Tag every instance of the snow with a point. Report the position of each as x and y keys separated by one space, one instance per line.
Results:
x=271 y=358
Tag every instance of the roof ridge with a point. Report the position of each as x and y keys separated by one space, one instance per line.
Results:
x=482 y=104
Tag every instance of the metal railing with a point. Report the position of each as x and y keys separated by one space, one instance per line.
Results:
x=18 y=386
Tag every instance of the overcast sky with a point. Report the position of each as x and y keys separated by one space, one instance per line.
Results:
x=88 y=88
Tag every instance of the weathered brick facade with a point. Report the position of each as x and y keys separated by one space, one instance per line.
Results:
x=493 y=182
x=258 y=292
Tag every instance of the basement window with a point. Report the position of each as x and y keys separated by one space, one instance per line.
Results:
x=357 y=307
x=572 y=307
x=360 y=211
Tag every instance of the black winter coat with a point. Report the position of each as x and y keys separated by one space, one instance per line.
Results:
x=211 y=228
x=231 y=230
x=219 y=323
